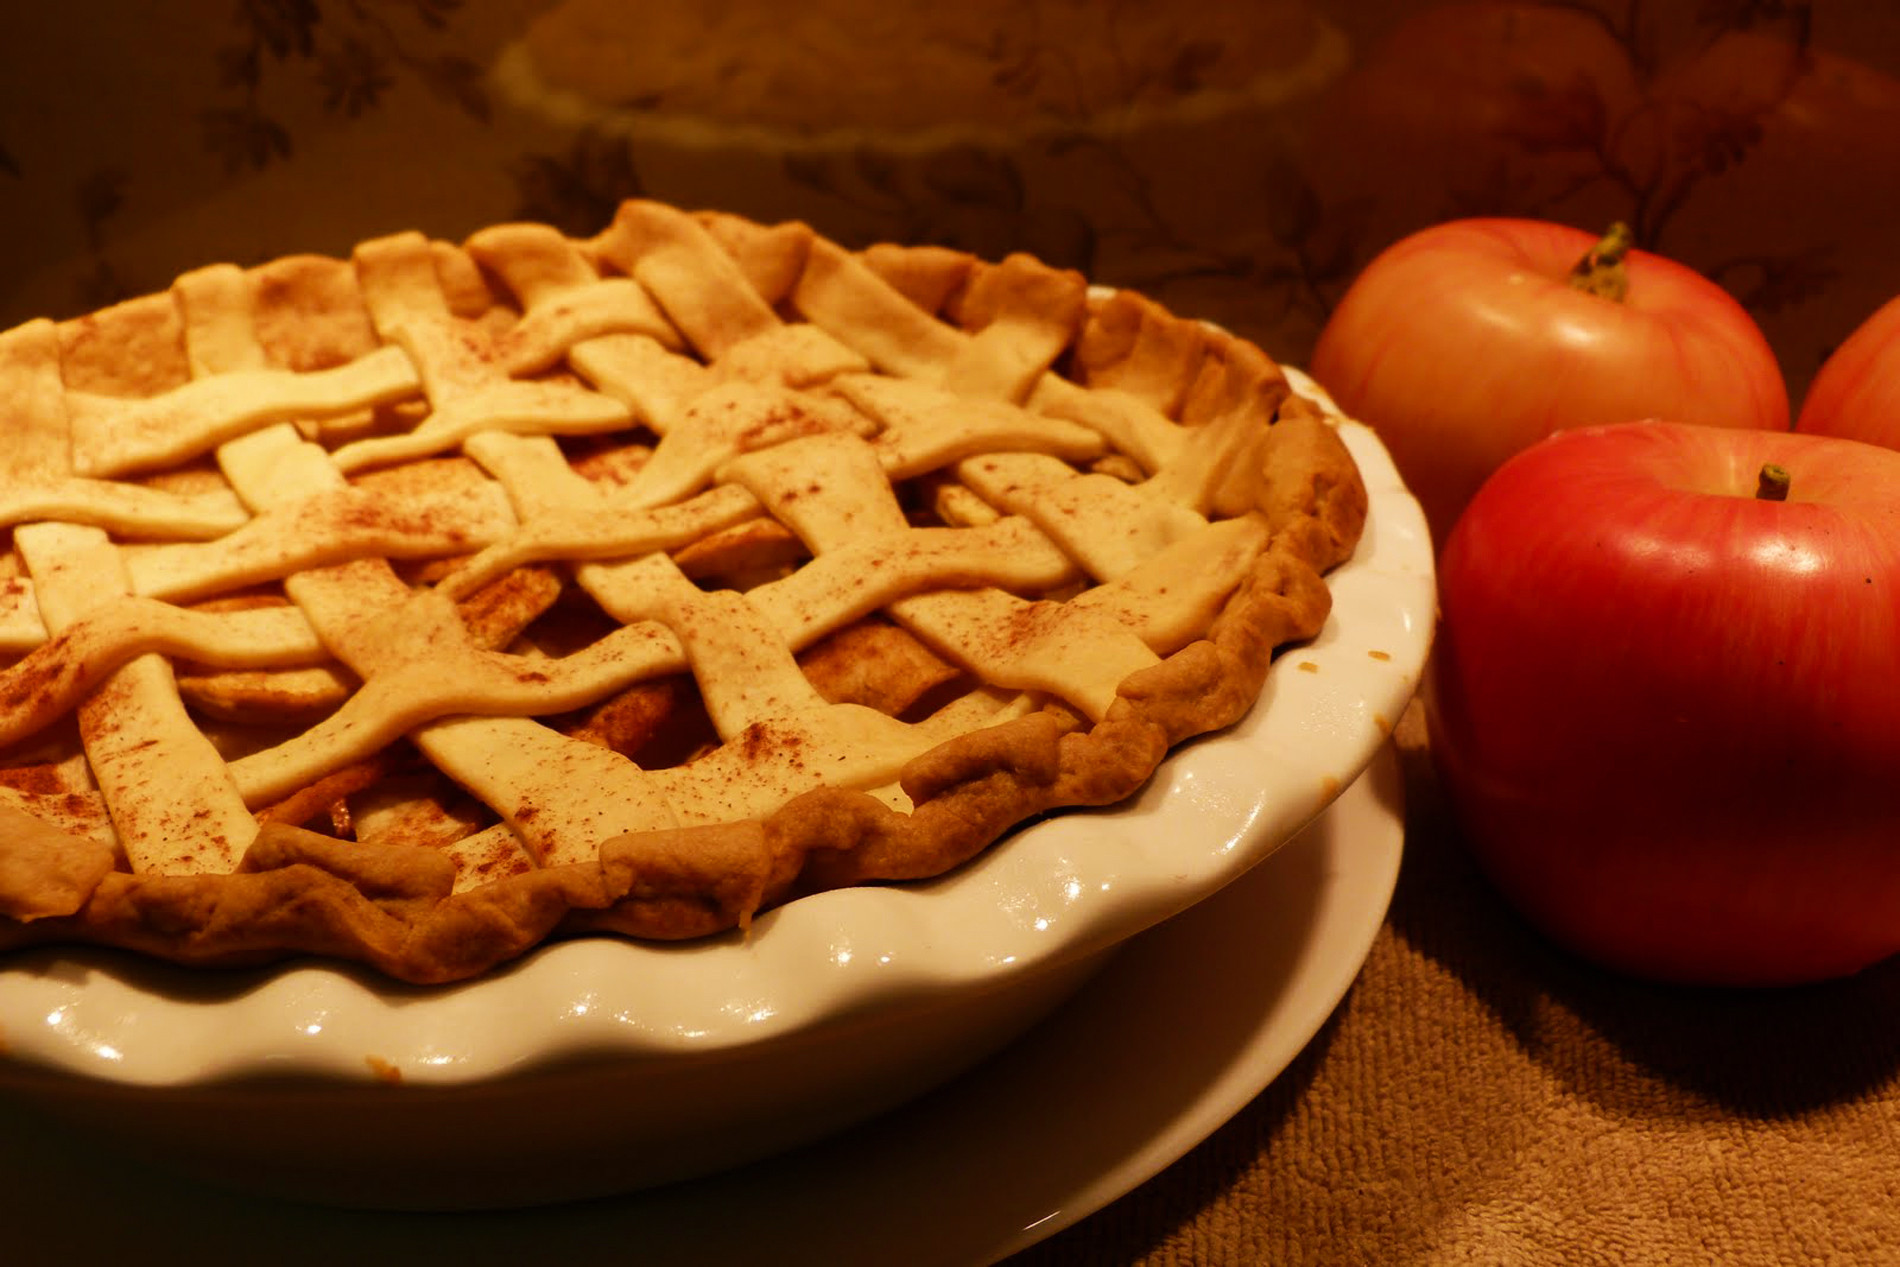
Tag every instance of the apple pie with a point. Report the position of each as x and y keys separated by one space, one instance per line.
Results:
x=415 y=608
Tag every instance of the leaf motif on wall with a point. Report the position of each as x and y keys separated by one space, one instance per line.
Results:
x=877 y=169
x=1061 y=236
x=100 y=196
x=1019 y=76
x=1192 y=63
x=435 y=13
x=580 y=190
x=971 y=176
x=354 y=78
x=1711 y=141
x=1295 y=212
x=808 y=170
x=1571 y=118
x=102 y=286
x=283 y=27
x=239 y=65
x=1768 y=284
x=356 y=64
x=243 y=137
x=1741 y=15
x=459 y=81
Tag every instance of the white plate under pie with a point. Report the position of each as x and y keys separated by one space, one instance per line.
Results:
x=596 y=1066
x=1119 y=1083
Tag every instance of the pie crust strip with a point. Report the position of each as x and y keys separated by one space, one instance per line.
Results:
x=728 y=442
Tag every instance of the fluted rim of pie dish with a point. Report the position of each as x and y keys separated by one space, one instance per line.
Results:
x=1069 y=885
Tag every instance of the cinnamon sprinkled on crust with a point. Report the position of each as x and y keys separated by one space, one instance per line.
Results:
x=629 y=585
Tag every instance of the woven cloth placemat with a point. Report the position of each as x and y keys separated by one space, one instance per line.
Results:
x=1481 y=1097
x=1478 y=1097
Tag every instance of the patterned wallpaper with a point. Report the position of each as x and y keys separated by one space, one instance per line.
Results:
x=1240 y=161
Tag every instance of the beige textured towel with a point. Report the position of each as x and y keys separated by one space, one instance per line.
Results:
x=1482 y=1098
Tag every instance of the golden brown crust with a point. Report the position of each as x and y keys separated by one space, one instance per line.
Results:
x=46 y=872
x=408 y=911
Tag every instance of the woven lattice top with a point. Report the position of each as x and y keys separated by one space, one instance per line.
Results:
x=415 y=607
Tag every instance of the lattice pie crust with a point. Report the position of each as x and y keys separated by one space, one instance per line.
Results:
x=414 y=608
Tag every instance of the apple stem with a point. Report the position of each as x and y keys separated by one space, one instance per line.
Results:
x=1772 y=484
x=1601 y=271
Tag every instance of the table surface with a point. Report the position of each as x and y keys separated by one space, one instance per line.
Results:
x=1481 y=1097
x=1477 y=1097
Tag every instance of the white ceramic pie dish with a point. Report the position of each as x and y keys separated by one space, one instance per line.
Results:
x=599 y=1065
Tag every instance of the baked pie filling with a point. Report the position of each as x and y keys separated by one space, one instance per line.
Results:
x=415 y=608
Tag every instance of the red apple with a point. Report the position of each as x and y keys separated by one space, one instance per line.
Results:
x=1666 y=709
x=1857 y=393
x=1466 y=342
